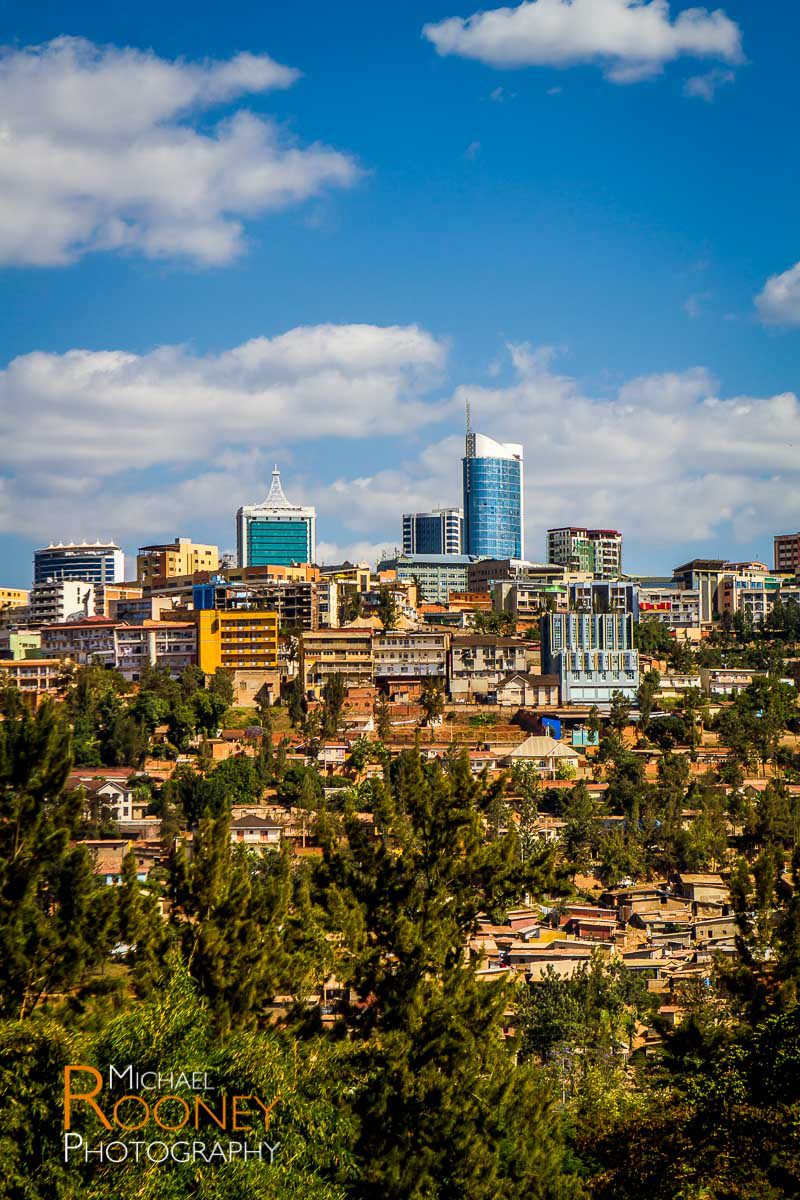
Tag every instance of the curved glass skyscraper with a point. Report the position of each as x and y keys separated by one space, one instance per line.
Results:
x=493 y=481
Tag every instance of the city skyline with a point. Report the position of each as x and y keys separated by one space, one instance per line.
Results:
x=462 y=237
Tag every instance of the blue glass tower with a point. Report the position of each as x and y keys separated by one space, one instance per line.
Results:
x=493 y=498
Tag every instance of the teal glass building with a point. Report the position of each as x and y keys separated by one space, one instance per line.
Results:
x=493 y=498
x=276 y=531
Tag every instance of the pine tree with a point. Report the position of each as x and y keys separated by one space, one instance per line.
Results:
x=141 y=928
x=383 y=720
x=56 y=918
x=334 y=694
x=228 y=904
x=444 y=1112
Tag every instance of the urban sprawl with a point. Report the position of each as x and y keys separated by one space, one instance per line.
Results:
x=631 y=741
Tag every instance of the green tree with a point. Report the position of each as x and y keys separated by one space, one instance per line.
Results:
x=619 y=712
x=681 y=658
x=443 y=1112
x=581 y=830
x=56 y=917
x=387 y=608
x=383 y=719
x=334 y=694
x=220 y=685
x=432 y=701
x=228 y=905
x=653 y=637
x=209 y=709
x=298 y=704
x=646 y=697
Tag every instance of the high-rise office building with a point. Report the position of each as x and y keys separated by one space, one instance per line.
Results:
x=276 y=531
x=91 y=562
x=493 y=498
x=596 y=551
x=440 y=531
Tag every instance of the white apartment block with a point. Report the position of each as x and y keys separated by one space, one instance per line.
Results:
x=410 y=655
x=60 y=599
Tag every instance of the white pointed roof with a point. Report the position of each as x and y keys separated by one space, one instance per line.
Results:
x=278 y=502
x=277 y=496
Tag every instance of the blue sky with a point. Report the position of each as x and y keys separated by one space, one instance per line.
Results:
x=582 y=256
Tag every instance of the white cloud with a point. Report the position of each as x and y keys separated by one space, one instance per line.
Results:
x=170 y=432
x=630 y=39
x=472 y=151
x=704 y=87
x=151 y=446
x=779 y=301
x=664 y=458
x=99 y=150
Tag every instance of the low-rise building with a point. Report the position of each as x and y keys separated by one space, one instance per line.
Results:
x=113 y=798
x=436 y=575
x=20 y=643
x=87 y=642
x=546 y=755
x=346 y=652
x=787 y=553
x=256 y=832
x=108 y=597
x=677 y=608
x=410 y=654
x=592 y=654
x=295 y=601
x=236 y=639
x=13 y=597
x=484 y=573
x=99 y=641
x=719 y=682
x=171 y=645
x=604 y=596
x=181 y=557
x=521 y=689
x=527 y=599
x=34 y=677
x=60 y=599
x=751 y=591
x=479 y=663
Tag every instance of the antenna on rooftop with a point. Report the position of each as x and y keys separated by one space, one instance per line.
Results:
x=469 y=446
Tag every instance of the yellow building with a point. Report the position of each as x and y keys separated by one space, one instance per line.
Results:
x=34 y=676
x=244 y=639
x=13 y=597
x=181 y=557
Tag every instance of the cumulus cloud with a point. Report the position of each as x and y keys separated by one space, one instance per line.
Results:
x=150 y=446
x=100 y=149
x=170 y=432
x=779 y=301
x=664 y=458
x=630 y=39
